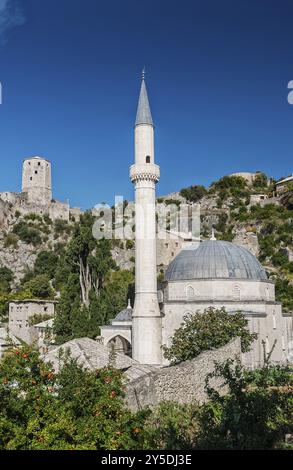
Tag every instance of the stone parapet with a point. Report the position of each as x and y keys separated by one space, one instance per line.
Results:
x=147 y=171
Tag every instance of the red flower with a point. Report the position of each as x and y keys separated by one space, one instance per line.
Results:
x=25 y=356
x=136 y=430
x=113 y=394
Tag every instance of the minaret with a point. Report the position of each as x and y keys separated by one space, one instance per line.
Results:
x=146 y=318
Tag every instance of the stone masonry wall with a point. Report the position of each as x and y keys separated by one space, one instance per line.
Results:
x=182 y=383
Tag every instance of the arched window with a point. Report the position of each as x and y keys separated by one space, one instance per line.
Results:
x=189 y=293
x=236 y=291
x=148 y=159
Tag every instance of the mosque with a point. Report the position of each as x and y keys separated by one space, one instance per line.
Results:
x=211 y=273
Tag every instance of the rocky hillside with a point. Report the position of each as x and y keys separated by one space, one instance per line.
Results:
x=247 y=212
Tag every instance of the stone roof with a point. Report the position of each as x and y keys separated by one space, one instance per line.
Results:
x=124 y=315
x=93 y=355
x=215 y=259
x=45 y=324
x=6 y=338
x=285 y=180
x=89 y=353
x=143 y=115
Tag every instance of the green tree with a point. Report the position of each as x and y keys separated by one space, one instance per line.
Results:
x=46 y=263
x=39 y=287
x=74 y=409
x=81 y=275
x=208 y=330
x=6 y=277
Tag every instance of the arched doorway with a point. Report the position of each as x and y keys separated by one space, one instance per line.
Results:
x=120 y=345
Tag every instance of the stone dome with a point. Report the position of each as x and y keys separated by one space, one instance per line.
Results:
x=215 y=259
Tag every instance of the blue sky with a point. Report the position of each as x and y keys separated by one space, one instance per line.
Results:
x=217 y=76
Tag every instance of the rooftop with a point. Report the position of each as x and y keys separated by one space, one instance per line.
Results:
x=143 y=115
x=215 y=259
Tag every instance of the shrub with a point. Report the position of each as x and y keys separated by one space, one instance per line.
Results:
x=34 y=217
x=27 y=234
x=61 y=226
x=256 y=413
x=260 y=181
x=193 y=193
x=129 y=244
x=11 y=240
x=47 y=219
x=203 y=331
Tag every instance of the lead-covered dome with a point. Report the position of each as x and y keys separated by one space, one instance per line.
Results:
x=215 y=259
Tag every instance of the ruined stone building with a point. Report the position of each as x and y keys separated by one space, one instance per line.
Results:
x=36 y=193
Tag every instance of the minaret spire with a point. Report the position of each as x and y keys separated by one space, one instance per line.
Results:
x=143 y=115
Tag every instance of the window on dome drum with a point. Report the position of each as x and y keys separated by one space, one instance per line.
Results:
x=39 y=163
x=236 y=292
x=36 y=172
x=189 y=292
x=148 y=159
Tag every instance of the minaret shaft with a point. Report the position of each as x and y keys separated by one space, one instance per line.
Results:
x=146 y=318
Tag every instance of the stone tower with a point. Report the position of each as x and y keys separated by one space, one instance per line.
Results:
x=146 y=320
x=36 y=180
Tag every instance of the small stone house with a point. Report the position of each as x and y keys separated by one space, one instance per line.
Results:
x=22 y=314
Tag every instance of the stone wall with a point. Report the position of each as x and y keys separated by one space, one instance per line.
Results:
x=183 y=383
x=247 y=239
x=4 y=212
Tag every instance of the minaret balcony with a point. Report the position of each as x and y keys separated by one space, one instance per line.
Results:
x=145 y=171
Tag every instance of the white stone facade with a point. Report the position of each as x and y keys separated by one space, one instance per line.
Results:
x=255 y=299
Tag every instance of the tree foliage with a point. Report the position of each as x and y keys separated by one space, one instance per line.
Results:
x=92 y=291
x=74 y=409
x=193 y=193
x=208 y=330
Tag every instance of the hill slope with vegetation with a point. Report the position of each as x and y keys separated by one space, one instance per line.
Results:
x=62 y=260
